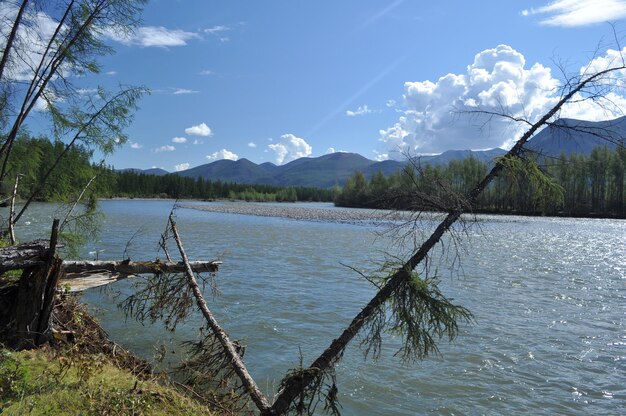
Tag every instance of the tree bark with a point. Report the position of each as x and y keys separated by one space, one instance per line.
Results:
x=137 y=267
x=34 y=302
x=11 y=38
x=23 y=256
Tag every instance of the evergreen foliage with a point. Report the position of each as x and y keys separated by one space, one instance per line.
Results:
x=580 y=185
x=33 y=157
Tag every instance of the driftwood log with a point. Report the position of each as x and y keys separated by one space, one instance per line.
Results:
x=26 y=306
x=82 y=275
x=24 y=256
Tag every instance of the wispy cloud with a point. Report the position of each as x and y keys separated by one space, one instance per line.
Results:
x=218 y=31
x=166 y=148
x=179 y=140
x=206 y=72
x=152 y=36
x=572 y=13
x=361 y=110
x=381 y=13
x=180 y=91
x=135 y=145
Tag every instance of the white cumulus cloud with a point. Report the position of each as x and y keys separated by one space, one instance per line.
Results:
x=290 y=148
x=441 y=115
x=135 y=145
x=252 y=144
x=570 y=13
x=222 y=154
x=166 y=148
x=333 y=150
x=182 y=166
x=179 y=140
x=198 y=141
x=200 y=130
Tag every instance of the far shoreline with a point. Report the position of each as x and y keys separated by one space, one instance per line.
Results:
x=433 y=213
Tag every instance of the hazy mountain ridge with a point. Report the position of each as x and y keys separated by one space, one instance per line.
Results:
x=570 y=136
x=563 y=136
x=151 y=171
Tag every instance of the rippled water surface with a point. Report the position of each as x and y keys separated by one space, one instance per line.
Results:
x=548 y=294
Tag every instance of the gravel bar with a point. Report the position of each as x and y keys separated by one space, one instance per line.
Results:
x=339 y=215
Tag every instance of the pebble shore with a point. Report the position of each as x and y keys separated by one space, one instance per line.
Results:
x=298 y=212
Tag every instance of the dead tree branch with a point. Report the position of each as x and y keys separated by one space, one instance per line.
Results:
x=229 y=349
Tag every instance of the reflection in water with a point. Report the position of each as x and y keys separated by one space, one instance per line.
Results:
x=548 y=295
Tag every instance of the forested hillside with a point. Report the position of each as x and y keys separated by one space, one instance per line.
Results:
x=33 y=157
x=577 y=185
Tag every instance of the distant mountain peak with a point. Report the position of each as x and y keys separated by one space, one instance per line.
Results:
x=569 y=136
x=564 y=135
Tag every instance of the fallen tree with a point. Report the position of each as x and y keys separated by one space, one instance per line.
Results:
x=26 y=305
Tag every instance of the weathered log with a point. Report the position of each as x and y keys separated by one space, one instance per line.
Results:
x=82 y=275
x=137 y=267
x=22 y=256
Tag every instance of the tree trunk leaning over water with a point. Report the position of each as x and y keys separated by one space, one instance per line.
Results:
x=249 y=384
x=293 y=387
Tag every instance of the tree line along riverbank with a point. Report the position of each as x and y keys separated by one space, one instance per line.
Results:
x=574 y=186
x=578 y=185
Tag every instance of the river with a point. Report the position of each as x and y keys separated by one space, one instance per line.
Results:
x=548 y=295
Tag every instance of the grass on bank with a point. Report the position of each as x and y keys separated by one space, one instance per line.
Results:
x=39 y=382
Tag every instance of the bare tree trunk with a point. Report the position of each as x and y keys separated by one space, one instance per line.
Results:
x=11 y=38
x=69 y=212
x=137 y=267
x=37 y=86
x=329 y=357
x=252 y=389
x=12 y=211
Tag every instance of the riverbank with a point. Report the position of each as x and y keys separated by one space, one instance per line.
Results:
x=346 y=215
x=81 y=371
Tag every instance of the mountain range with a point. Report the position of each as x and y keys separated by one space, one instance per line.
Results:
x=563 y=136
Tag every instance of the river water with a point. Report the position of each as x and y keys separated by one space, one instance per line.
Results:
x=548 y=295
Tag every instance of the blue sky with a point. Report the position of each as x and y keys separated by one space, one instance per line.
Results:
x=276 y=80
